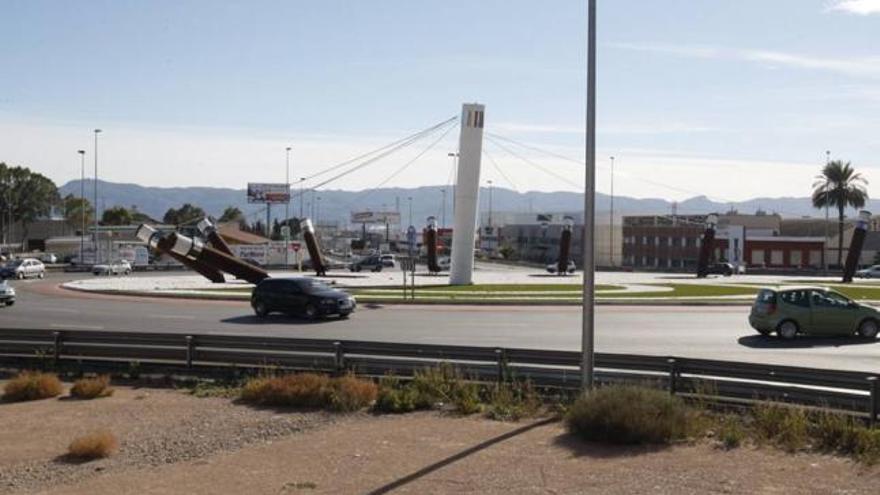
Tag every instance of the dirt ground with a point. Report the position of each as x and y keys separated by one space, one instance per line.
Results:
x=171 y=442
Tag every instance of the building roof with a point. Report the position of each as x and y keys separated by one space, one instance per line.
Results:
x=805 y=227
x=231 y=233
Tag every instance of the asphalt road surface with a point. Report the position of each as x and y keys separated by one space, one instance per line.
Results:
x=710 y=332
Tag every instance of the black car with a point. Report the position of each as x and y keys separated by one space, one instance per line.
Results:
x=372 y=263
x=725 y=269
x=301 y=296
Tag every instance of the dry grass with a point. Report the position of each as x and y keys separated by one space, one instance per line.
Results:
x=302 y=390
x=349 y=393
x=32 y=385
x=92 y=388
x=95 y=445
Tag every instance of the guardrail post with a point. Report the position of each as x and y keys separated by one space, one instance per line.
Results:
x=56 y=347
x=673 y=375
x=875 y=400
x=190 y=351
x=339 y=357
x=500 y=359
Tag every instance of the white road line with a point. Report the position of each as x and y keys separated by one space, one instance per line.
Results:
x=76 y=327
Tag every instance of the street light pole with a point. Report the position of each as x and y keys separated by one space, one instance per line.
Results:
x=454 y=157
x=587 y=309
x=443 y=216
x=825 y=251
x=409 y=198
x=82 y=201
x=490 y=203
x=97 y=239
x=611 y=215
x=301 y=193
x=287 y=207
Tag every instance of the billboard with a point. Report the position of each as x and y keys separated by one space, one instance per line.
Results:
x=390 y=217
x=258 y=192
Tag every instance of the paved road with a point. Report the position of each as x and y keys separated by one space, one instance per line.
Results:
x=706 y=332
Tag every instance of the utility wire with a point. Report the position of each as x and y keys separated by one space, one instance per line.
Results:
x=501 y=172
x=530 y=162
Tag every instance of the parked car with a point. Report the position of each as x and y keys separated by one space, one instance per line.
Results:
x=301 y=296
x=50 y=258
x=870 y=272
x=23 y=268
x=116 y=267
x=372 y=263
x=726 y=269
x=552 y=267
x=388 y=260
x=811 y=311
x=7 y=294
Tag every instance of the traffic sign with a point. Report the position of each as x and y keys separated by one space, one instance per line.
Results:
x=295 y=246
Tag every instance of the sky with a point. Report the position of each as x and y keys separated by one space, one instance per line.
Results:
x=732 y=100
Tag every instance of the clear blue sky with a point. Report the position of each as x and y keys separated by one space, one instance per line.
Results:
x=211 y=92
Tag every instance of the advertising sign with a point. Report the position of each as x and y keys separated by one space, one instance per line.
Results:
x=391 y=217
x=257 y=252
x=258 y=192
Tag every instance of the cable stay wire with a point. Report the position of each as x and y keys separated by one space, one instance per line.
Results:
x=536 y=165
x=383 y=148
x=500 y=172
x=410 y=140
x=366 y=193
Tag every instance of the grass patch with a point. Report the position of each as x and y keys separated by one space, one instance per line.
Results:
x=32 y=385
x=629 y=415
x=312 y=390
x=92 y=388
x=206 y=389
x=95 y=445
x=513 y=401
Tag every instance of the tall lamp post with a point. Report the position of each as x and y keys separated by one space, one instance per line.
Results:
x=287 y=207
x=97 y=238
x=443 y=216
x=409 y=198
x=587 y=309
x=611 y=218
x=82 y=201
x=454 y=157
x=301 y=192
x=825 y=251
x=490 y=203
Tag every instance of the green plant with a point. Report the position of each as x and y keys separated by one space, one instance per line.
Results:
x=466 y=398
x=92 y=388
x=731 y=433
x=32 y=385
x=349 y=393
x=205 y=389
x=833 y=432
x=784 y=426
x=513 y=401
x=629 y=415
x=436 y=385
x=395 y=398
x=134 y=370
x=93 y=446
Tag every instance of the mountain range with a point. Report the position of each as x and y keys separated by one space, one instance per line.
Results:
x=336 y=205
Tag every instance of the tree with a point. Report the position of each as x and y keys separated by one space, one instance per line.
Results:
x=231 y=214
x=839 y=186
x=73 y=208
x=117 y=215
x=138 y=218
x=187 y=213
x=24 y=196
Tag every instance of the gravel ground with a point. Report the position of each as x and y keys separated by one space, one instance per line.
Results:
x=154 y=426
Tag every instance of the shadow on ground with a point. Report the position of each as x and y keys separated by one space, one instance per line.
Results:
x=801 y=342
x=581 y=448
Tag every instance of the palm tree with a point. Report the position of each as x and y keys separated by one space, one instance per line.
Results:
x=839 y=186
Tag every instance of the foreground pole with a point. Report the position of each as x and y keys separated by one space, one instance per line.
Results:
x=588 y=320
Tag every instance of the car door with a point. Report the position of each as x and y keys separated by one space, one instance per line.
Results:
x=832 y=313
x=795 y=305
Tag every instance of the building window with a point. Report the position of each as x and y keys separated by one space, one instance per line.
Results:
x=815 y=257
x=776 y=257
x=645 y=240
x=794 y=258
x=757 y=257
x=657 y=240
x=672 y=241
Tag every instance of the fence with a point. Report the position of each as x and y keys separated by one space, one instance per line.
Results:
x=735 y=382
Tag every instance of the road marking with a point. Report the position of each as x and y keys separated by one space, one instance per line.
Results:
x=175 y=317
x=76 y=327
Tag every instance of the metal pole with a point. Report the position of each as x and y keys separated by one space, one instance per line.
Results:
x=443 y=216
x=269 y=220
x=490 y=203
x=611 y=215
x=82 y=201
x=287 y=208
x=97 y=239
x=587 y=330
x=409 y=198
x=301 y=193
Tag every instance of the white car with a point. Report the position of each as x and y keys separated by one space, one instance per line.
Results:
x=388 y=260
x=118 y=267
x=50 y=258
x=551 y=268
x=7 y=294
x=23 y=268
x=870 y=272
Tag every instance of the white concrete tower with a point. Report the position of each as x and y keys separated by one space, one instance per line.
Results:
x=467 y=190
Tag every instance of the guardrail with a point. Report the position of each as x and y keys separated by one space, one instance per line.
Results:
x=737 y=382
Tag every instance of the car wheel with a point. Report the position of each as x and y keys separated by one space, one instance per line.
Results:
x=41 y=275
x=787 y=330
x=868 y=329
x=260 y=309
x=310 y=311
x=19 y=275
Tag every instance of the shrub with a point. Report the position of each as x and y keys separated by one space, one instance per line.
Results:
x=466 y=398
x=867 y=445
x=731 y=433
x=629 y=415
x=784 y=426
x=304 y=390
x=833 y=432
x=92 y=388
x=435 y=386
x=394 y=397
x=32 y=385
x=93 y=446
x=349 y=393
x=513 y=401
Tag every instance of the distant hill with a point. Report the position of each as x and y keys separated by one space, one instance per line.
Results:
x=337 y=204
